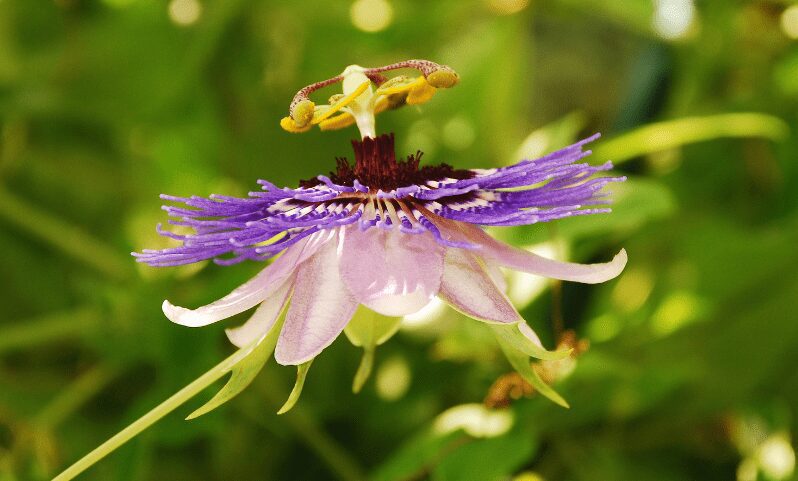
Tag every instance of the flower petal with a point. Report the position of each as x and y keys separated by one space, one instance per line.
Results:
x=469 y=288
x=253 y=291
x=263 y=318
x=521 y=260
x=320 y=308
x=390 y=272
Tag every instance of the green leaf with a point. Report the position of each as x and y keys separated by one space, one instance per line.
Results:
x=468 y=462
x=417 y=455
x=301 y=373
x=510 y=335
x=244 y=371
x=676 y=133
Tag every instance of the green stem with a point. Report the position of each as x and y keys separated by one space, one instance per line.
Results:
x=675 y=133
x=154 y=415
x=63 y=236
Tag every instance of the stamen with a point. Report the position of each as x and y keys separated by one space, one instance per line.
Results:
x=360 y=104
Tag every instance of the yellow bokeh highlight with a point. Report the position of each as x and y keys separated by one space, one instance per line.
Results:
x=371 y=15
x=789 y=22
x=185 y=12
x=507 y=7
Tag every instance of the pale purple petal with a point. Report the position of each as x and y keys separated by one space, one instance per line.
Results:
x=253 y=291
x=518 y=259
x=263 y=318
x=320 y=308
x=392 y=273
x=469 y=288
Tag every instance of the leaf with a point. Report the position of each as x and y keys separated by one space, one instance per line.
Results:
x=676 y=133
x=244 y=371
x=301 y=373
x=510 y=335
x=416 y=455
x=469 y=462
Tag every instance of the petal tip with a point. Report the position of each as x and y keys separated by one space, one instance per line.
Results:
x=181 y=315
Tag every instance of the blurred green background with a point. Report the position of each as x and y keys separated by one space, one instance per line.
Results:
x=691 y=370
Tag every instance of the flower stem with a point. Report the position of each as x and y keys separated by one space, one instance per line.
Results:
x=154 y=415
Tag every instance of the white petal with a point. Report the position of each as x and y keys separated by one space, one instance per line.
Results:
x=521 y=260
x=469 y=288
x=390 y=272
x=263 y=318
x=320 y=308
x=253 y=291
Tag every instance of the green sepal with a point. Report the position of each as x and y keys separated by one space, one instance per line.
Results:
x=520 y=362
x=301 y=373
x=367 y=328
x=364 y=369
x=511 y=335
x=244 y=371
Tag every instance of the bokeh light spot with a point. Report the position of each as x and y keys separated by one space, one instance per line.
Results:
x=458 y=133
x=507 y=7
x=678 y=310
x=673 y=18
x=777 y=457
x=632 y=289
x=371 y=15
x=789 y=22
x=393 y=378
x=185 y=12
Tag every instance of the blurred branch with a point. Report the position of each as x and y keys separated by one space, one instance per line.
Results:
x=47 y=328
x=676 y=133
x=335 y=456
x=70 y=239
x=71 y=398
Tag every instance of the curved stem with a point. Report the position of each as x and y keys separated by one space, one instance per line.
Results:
x=154 y=415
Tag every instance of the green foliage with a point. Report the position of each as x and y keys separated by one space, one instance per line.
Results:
x=104 y=104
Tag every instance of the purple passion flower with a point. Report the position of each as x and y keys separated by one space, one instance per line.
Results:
x=379 y=232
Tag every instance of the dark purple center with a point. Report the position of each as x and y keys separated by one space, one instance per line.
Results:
x=376 y=167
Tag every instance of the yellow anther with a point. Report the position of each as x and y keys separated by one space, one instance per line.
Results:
x=420 y=93
x=397 y=85
x=386 y=103
x=323 y=115
x=443 y=78
x=338 y=122
x=302 y=113
x=288 y=124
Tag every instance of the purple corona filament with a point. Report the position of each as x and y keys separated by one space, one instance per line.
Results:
x=379 y=191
